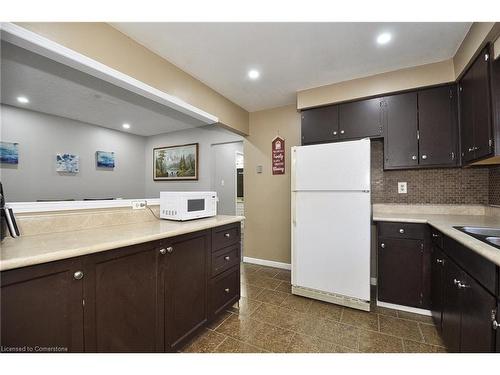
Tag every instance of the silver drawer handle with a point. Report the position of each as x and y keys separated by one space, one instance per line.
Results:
x=227 y=257
x=495 y=324
x=78 y=275
x=227 y=235
x=226 y=290
x=401 y=231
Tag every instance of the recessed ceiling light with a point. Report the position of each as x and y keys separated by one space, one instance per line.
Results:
x=126 y=126
x=384 y=38
x=23 y=99
x=253 y=74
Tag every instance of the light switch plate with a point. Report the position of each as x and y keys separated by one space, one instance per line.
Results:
x=402 y=188
x=258 y=169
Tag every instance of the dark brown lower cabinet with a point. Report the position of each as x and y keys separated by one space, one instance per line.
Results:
x=451 y=305
x=478 y=305
x=436 y=300
x=185 y=301
x=149 y=297
x=123 y=300
x=400 y=271
x=41 y=308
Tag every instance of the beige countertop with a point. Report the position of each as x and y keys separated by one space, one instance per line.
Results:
x=445 y=224
x=29 y=250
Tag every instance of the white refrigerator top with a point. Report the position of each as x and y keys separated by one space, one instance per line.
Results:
x=342 y=166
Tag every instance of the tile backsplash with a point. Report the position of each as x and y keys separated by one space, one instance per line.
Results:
x=495 y=185
x=433 y=186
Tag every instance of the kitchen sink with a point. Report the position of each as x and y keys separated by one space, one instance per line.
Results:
x=491 y=236
x=490 y=232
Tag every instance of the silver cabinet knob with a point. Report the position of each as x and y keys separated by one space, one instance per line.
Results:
x=227 y=258
x=227 y=235
x=334 y=132
x=170 y=249
x=342 y=132
x=456 y=282
x=78 y=275
x=382 y=245
x=163 y=251
x=401 y=230
x=435 y=235
x=226 y=290
x=495 y=325
x=463 y=286
x=424 y=157
x=439 y=261
x=414 y=157
x=470 y=149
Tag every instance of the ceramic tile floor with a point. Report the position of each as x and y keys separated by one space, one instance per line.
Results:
x=270 y=319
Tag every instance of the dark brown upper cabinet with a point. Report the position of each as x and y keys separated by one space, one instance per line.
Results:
x=320 y=125
x=476 y=110
x=361 y=119
x=400 y=138
x=438 y=126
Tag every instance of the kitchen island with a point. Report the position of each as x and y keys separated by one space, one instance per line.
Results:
x=143 y=287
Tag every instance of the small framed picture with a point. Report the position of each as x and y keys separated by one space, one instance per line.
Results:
x=175 y=163
x=105 y=159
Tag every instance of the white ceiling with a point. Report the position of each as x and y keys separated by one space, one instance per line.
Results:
x=59 y=90
x=292 y=56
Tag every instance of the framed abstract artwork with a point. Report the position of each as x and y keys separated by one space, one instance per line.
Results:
x=105 y=159
x=175 y=163
x=67 y=163
x=9 y=153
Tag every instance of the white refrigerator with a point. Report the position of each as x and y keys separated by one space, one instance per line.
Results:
x=331 y=222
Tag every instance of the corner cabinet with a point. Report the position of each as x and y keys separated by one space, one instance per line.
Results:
x=150 y=297
x=476 y=109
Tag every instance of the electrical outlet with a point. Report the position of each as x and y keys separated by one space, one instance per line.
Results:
x=139 y=205
x=402 y=188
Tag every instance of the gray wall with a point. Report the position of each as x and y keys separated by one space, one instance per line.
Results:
x=41 y=137
x=224 y=182
x=206 y=136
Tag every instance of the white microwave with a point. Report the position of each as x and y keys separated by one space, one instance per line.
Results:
x=187 y=205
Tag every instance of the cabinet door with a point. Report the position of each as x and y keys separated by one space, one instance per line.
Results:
x=477 y=334
x=437 y=124
x=360 y=119
x=123 y=291
x=400 y=271
x=186 y=286
x=320 y=124
x=41 y=307
x=466 y=90
x=400 y=141
x=451 y=305
x=437 y=266
x=482 y=105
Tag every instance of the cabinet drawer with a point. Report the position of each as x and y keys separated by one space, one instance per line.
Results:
x=402 y=230
x=225 y=259
x=224 y=290
x=225 y=236
x=474 y=264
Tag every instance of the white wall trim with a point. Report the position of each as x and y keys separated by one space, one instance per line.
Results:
x=269 y=263
x=36 y=43
x=405 y=308
x=23 y=207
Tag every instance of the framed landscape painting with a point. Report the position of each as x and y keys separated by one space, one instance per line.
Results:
x=175 y=163
x=9 y=153
x=105 y=159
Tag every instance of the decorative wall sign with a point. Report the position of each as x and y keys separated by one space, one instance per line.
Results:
x=105 y=159
x=9 y=153
x=67 y=163
x=278 y=156
x=175 y=163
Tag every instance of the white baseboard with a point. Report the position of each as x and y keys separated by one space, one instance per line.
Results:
x=373 y=281
x=269 y=263
x=332 y=298
x=405 y=308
